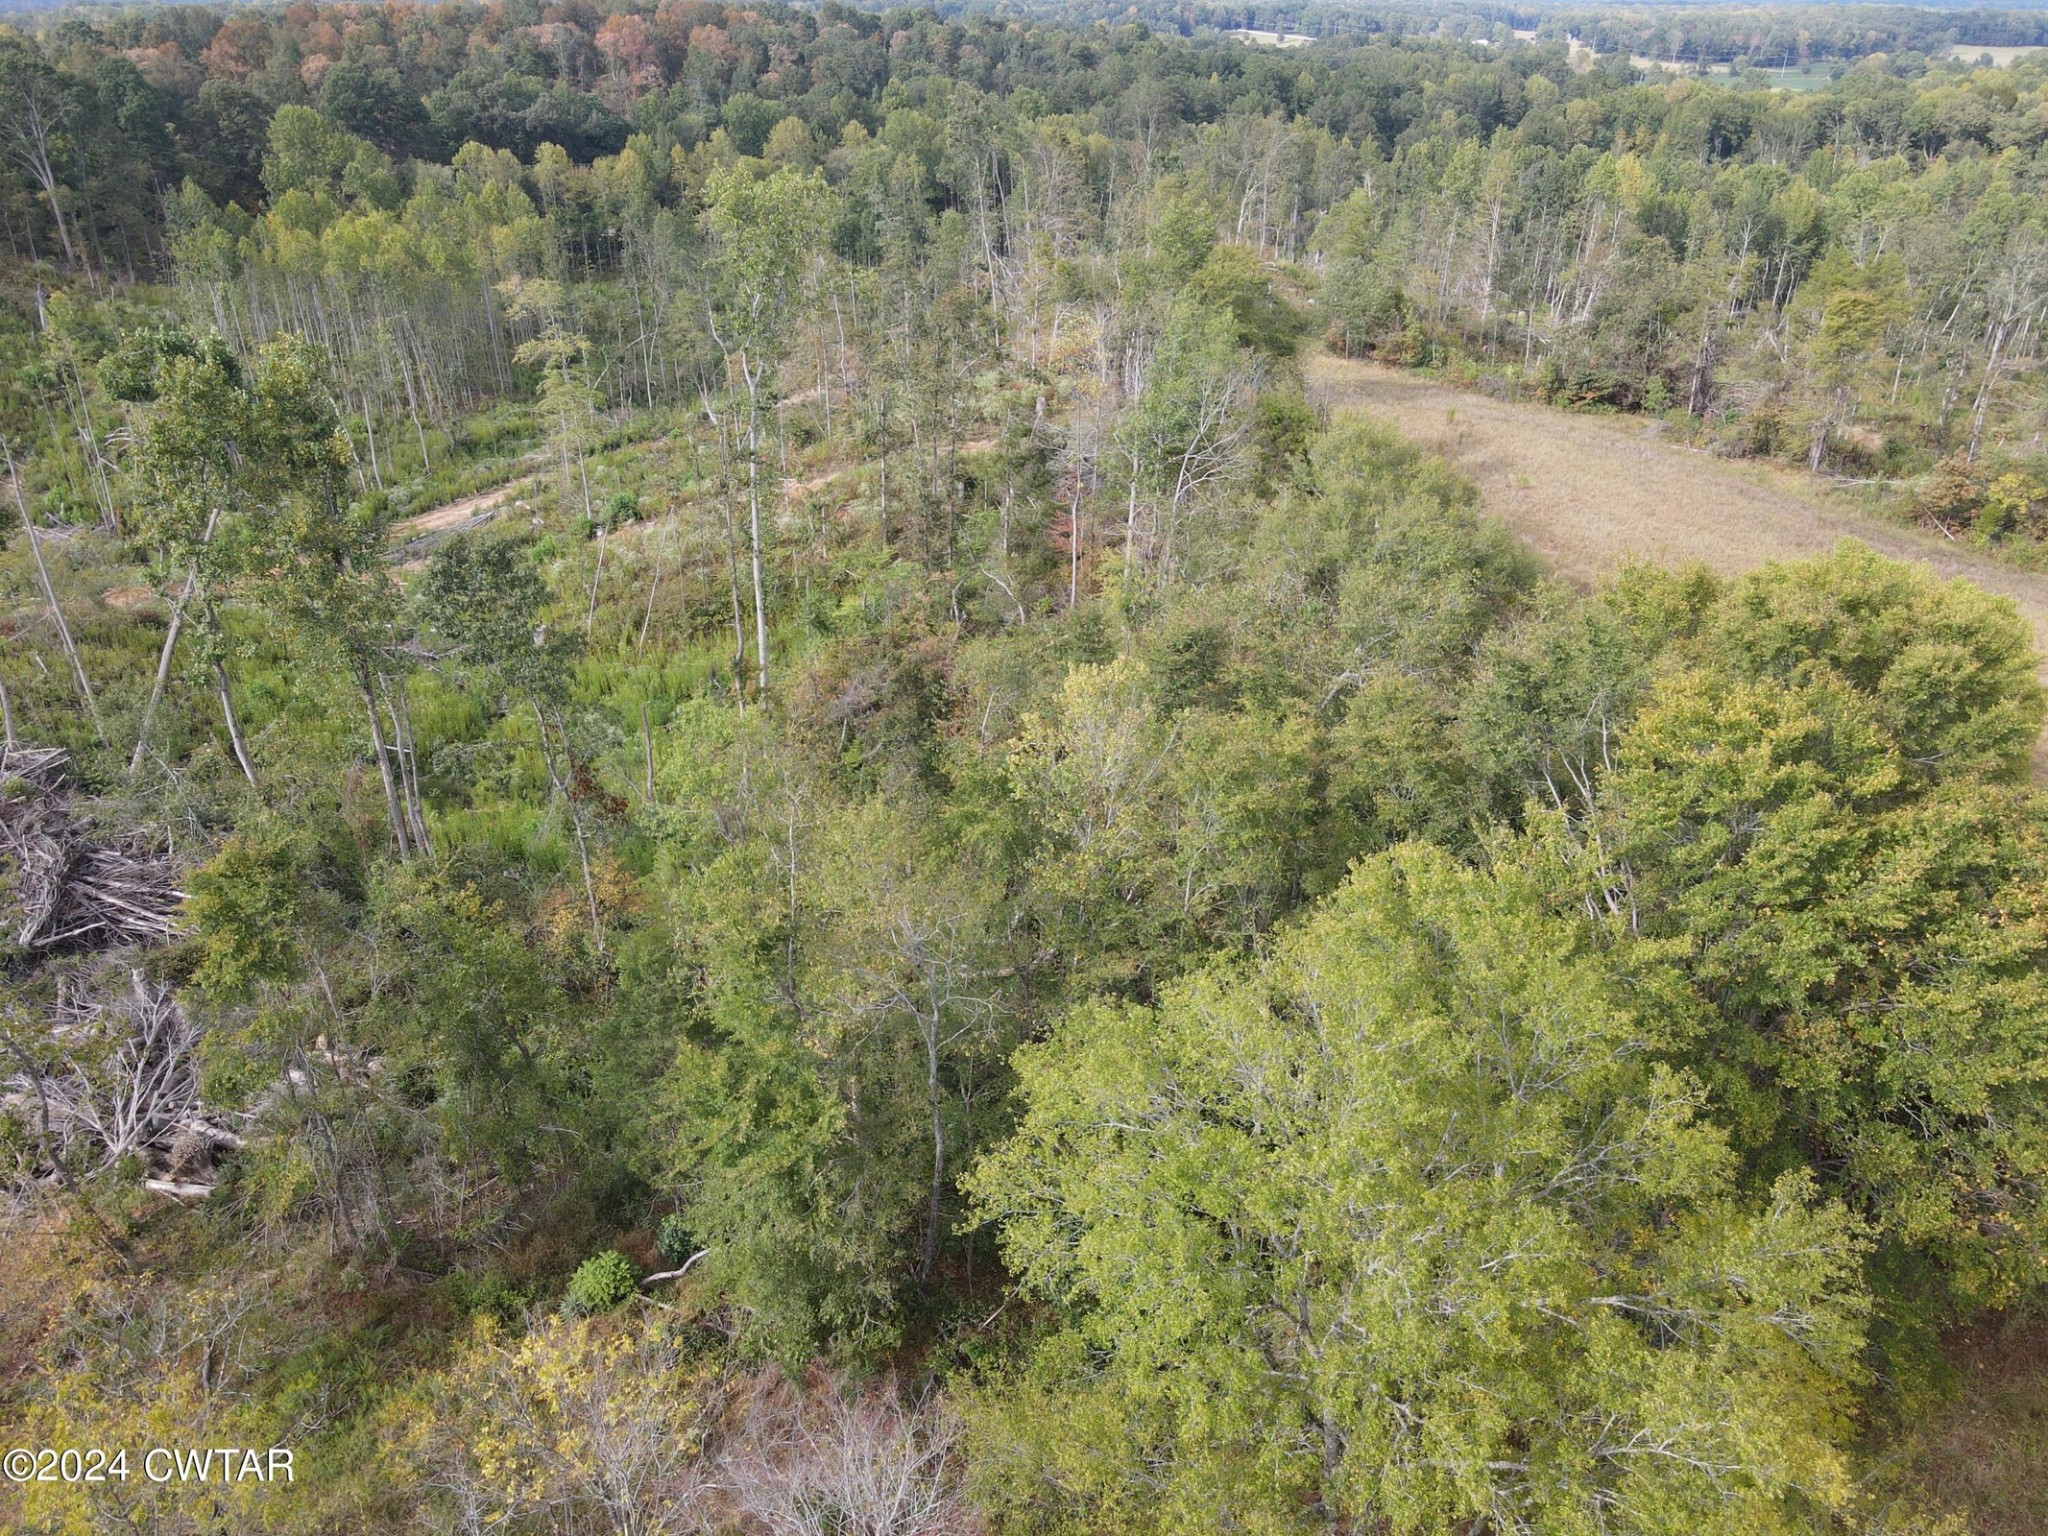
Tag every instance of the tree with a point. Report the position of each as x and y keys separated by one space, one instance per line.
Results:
x=486 y=598
x=468 y=1007
x=1404 y=1229
x=852 y=1459
x=1822 y=806
x=1391 y=555
x=1187 y=426
x=43 y=105
x=576 y=1422
x=1156 y=834
x=566 y=397
x=306 y=153
x=194 y=471
x=317 y=563
x=764 y=235
x=1552 y=699
x=845 y=987
x=1089 y=769
x=916 y=944
x=372 y=101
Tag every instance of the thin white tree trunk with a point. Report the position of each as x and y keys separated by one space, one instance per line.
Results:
x=754 y=527
x=35 y=544
x=391 y=805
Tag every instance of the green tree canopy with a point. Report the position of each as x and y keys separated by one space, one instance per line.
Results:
x=1822 y=806
x=1405 y=1228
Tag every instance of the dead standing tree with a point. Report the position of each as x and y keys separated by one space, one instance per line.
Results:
x=844 y=1459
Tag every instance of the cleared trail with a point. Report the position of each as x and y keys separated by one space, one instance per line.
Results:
x=1590 y=493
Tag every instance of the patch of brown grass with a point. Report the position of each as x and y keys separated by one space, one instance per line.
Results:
x=132 y=599
x=1591 y=493
x=1984 y=1456
x=453 y=513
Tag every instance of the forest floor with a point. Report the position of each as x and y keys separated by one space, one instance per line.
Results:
x=1981 y=1453
x=1590 y=493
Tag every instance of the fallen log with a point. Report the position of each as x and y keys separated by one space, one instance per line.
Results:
x=648 y=1281
x=177 y=1190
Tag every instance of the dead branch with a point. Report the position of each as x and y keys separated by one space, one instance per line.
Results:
x=122 y=1083
x=60 y=890
x=176 y=1190
x=649 y=1281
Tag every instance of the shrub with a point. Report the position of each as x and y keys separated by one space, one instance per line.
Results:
x=1994 y=504
x=672 y=1240
x=602 y=1282
x=488 y=1294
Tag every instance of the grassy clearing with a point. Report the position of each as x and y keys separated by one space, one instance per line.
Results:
x=1981 y=1456
x=1591 y=493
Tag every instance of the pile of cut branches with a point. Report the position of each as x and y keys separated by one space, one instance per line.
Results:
x=117 y=1079
x=60 y=890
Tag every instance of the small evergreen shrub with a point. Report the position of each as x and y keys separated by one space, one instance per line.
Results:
x=672 y=1240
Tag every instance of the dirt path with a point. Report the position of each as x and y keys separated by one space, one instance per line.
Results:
x=1589 y=493
x=470 y=510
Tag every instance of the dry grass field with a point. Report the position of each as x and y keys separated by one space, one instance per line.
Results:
x=1981 y=1457
x=1590 y=493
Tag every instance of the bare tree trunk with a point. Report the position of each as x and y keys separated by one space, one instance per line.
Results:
x=647 y=618
x=408 y=765
x=1074 y=549
x=647 y=747
x=163 y=672
x=1983 y=402
x=412 y=403
x=29 y=145
x=754 y=528
x=1131 y=523
x=931 y=1082
x=398 y=832
x=35 y=544
x=234 y=726
x=566 y=791
x=163 y=663
x=732 y=564
x=596 y=576
x=370 y=432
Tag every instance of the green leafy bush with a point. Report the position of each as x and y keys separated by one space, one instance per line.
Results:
x=672 y=1240
x=602 y=1282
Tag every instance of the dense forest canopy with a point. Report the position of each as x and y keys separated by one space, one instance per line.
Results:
x=1849 y=276
x=726 y=807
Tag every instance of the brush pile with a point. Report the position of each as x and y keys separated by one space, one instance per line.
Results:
x=107 y=1078
x=119 y=1081
x=61 y=891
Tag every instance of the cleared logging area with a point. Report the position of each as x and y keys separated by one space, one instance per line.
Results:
x=1590 y=493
